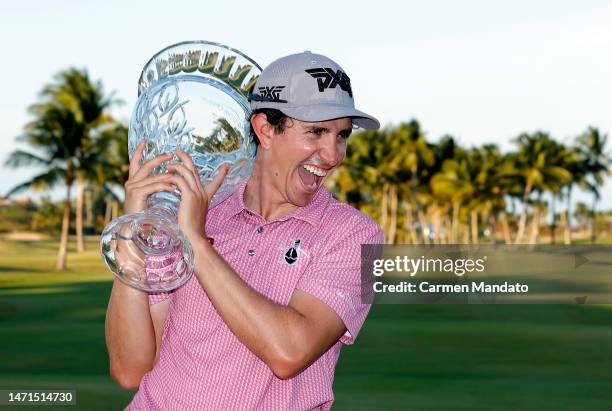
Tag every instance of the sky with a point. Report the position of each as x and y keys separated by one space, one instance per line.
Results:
x=482 y=71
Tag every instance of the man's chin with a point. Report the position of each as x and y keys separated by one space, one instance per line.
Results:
x=303 y=198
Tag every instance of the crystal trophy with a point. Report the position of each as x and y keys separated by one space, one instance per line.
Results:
x=192 y=96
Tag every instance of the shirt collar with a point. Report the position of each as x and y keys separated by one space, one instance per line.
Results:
x=311 y=213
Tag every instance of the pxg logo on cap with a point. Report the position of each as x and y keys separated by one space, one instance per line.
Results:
x=328 y=78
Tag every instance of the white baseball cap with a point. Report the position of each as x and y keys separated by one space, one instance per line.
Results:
x=309 y=87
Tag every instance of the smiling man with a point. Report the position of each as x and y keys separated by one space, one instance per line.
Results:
x=261 y=324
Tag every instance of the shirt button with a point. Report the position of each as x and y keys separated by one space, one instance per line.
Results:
x=251 y=252
x=260 y=229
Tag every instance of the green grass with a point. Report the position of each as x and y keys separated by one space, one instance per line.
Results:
x=485 y=357
x=52 y=324
x=420 y=357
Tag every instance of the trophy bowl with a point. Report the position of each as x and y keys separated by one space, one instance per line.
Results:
x=193 y=96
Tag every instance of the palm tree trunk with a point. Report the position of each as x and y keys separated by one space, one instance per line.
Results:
x=423 y=224
x=63 y=249
x=505 y=228
x=553 y=224
x=493 y=228
x=114 y=209
x=535 y=226
x=79 y=212
x=567 y=232
x=455 y=223
x=414 y=185
x=594 y=220
x=89 y=212
x=523 y=219
x=108 y=211
x=393 y=212
x=521 y=225
x=409 y=224
x=563 y=221
x=437 y=226
x=474 y=223
x=384 y=212
x=448 y=227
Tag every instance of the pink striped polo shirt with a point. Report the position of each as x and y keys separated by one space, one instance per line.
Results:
x=203 y=366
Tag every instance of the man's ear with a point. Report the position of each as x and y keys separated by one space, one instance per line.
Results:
x=263 y=129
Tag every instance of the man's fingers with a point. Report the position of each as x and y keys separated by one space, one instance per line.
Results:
x=149 y=189
x=188 y=162
x=135 y=161
x=212 y=187
x=147 y=167
x=182 y=184
x=136 y=193
x=151 y=179
x=186 y=159
x=187 y=175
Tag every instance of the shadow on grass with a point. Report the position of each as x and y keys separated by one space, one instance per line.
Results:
x=40 y=244
x=69 y=304
x=12 y=269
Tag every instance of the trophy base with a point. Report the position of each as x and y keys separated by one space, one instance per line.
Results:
x=148 y=252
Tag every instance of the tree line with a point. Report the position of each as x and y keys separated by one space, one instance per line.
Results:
x=423 y=192
x=419 y=191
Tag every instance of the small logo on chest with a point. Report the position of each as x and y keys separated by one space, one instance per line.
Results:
x=293 y=253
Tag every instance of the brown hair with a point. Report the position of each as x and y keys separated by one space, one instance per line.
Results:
x=275 y=117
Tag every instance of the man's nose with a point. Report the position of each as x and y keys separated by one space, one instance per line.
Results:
x=329 y=151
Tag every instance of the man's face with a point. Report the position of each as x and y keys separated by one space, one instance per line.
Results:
x=301 y=157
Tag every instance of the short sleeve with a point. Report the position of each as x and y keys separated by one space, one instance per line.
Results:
x=155 y=298
x=334 y=276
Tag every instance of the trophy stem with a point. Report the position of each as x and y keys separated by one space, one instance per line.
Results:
x=154 y=232
x=164 y=204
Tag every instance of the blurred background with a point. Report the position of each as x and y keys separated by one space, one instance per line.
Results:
x=496 y=122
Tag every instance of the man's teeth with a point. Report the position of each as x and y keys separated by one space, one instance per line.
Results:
x=315 y=170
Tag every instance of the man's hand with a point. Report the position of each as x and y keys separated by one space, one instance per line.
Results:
x=141 y=184
x=195 y=198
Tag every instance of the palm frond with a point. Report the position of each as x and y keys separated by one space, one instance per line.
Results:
x=45 y=180
x=19 y=158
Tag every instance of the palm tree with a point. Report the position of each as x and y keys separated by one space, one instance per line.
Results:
x=74 y=91
x=557 y=155
x=454 y=185
x=530 y=167
x=356 y=180
x=470 y=182
x=112 y=169
x=573 y=162
x=597 y=163
x=65 y=136
x=49 y=136
x=439 y=211
x=488 y=199
x=365 y=176
x=373 y=176
x=416 y=156
x=582 y=214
